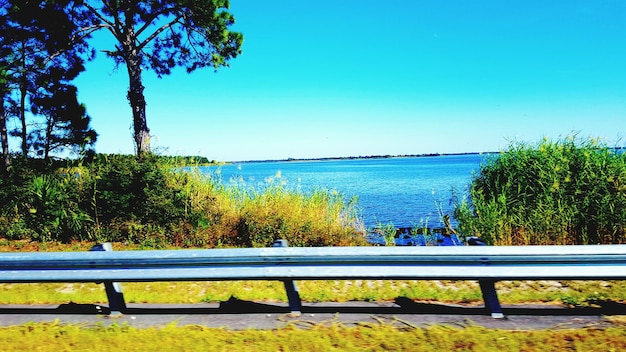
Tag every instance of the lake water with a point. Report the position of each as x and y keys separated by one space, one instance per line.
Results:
x=406 y=192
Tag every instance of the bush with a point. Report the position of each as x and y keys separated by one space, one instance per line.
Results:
x=565 y=192
x=42 y=201
x=135 y=190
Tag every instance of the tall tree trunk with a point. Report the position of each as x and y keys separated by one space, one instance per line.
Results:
x=23 y=132
x=48 y=138
x=138 y=104
x=23 y=91
x=136 y=97
x=4 y=137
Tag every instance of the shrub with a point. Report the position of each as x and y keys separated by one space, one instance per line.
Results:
x=565 y=192
x=43 y=201
x=135 y=190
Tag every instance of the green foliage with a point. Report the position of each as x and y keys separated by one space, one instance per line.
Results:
x=185 y=160
x=41 y=202
x=388 y=231
x=154 y=202
x=565 y=192
x=129 y=190
x=53 y=211
x=38 y=65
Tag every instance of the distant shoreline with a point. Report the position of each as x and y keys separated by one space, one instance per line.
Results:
x=425 y=155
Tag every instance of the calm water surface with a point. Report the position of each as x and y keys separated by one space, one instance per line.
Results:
x=403 y=191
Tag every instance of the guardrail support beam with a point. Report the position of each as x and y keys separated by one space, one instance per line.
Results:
x=488 y=288
x=117 y=304
x=295 y=303
x=490 y=296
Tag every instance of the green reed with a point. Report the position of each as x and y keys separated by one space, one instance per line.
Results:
x=570 y=191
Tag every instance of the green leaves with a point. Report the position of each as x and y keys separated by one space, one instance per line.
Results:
x=564 y=192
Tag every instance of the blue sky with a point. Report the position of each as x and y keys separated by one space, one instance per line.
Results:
x=348 y=78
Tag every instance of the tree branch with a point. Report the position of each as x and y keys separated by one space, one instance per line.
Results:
x=77 y=37
x=111 y=26
x=98 y=14
x=154 y=16
x=159 y=31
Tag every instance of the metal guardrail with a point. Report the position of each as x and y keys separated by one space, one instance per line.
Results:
x=485 y=264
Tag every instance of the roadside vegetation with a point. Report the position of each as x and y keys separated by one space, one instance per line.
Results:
x=571 y=191
x=565 y=192
x=323 y=337
x=159 y=202
x=155 y=202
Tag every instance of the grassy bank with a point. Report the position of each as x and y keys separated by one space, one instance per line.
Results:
x=330 y=337
x=565 y=192
x=155 y=202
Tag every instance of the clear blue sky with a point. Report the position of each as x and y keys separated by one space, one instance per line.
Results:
x=359 y=77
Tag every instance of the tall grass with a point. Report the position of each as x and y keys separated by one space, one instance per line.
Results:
x=154 y=202
x=571 y=191
x=331 y=336
x=239 y=215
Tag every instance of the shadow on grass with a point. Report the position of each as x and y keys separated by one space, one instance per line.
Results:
x=402 y=305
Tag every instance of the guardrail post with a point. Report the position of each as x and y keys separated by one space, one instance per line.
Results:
x=490 y=296
x=113 y=289
x=295 y=304
x=488 y=288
